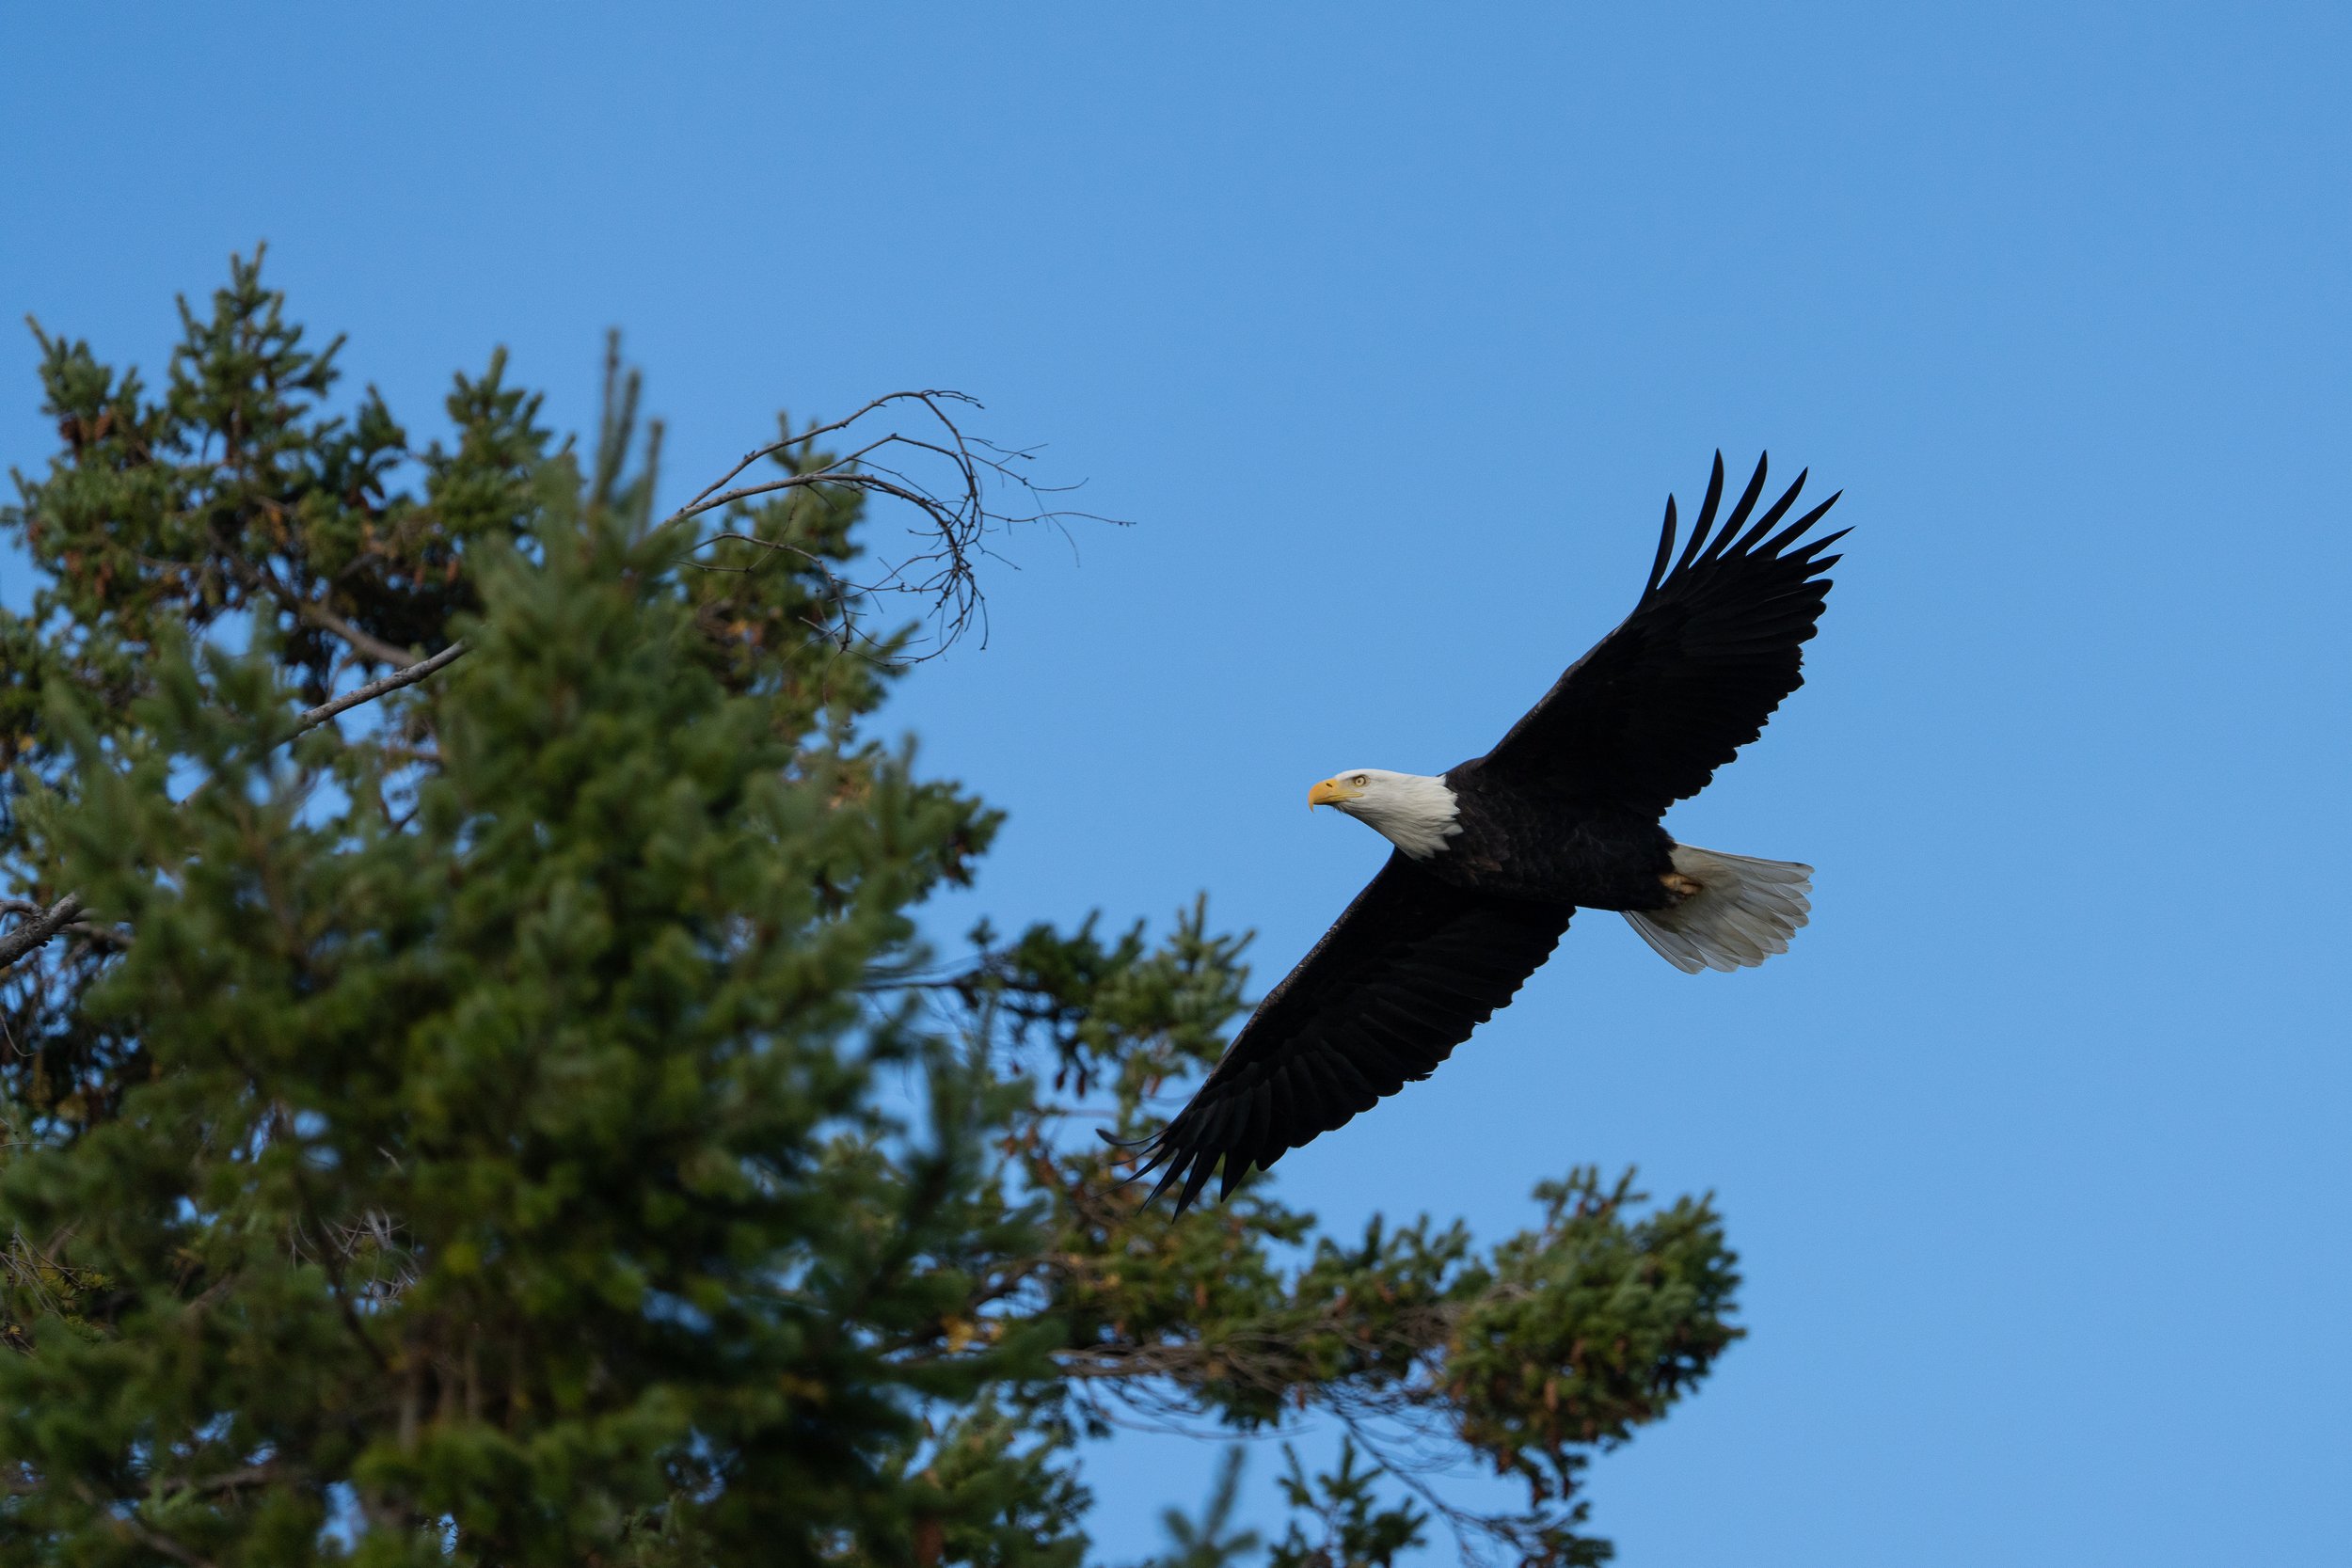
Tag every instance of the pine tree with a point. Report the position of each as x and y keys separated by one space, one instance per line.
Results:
x=475 y=1091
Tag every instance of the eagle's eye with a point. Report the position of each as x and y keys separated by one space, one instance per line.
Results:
x=1360 y=780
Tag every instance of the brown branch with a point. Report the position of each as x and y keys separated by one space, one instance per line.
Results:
x=156 y=1541
x=105 y=936
x=33 y=932
x=360 y=696
x=366 y=642
x=957 y=511
x=227 y=1480
x=259 y=580
x=772 y=448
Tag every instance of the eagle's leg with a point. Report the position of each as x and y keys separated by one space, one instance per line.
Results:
x=1677 y=884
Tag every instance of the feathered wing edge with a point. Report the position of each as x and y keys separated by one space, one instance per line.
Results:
x=1707 y=654
x=1730 y=542
x=1402 y=977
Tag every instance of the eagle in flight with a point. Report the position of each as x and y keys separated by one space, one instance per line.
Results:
x=1494 y=855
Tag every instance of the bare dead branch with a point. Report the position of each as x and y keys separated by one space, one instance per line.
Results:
x=33 y=932
x=360 y=696
x=956 y=516
x=774 y=447
x=365 y=642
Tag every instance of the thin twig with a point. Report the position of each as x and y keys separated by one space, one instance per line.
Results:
x=958 y=513
x=811 y=433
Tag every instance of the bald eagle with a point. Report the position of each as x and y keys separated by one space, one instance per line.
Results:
x=1493 y=856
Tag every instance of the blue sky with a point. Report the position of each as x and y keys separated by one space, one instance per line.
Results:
x=1392 y=328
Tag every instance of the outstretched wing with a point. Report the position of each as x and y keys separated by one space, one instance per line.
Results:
x=1401 y=979
x=1690 y=676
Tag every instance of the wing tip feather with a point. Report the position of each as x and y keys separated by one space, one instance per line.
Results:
x=1665 y=551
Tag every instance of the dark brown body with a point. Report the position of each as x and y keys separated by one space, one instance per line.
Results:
x=1520 y=840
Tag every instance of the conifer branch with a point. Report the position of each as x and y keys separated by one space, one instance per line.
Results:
x=63 y=915
x=960 y=517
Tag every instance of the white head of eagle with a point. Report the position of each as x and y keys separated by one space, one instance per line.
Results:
x=1415 y=812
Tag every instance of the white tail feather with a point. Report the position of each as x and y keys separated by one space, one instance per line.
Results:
x=1745 y=912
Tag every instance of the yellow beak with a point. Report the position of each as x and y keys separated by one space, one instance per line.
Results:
x=1330 y=792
